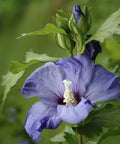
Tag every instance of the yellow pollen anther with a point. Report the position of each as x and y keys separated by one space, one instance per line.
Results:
x=69 y=97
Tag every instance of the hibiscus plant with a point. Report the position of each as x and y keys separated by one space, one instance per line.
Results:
x=74 y=89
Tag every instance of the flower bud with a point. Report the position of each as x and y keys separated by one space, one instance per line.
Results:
x=77 y=13
x=92 y=48
x=81 y=19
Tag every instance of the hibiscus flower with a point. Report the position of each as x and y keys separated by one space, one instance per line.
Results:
x=68 y=89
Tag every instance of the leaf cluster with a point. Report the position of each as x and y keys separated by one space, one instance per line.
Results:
x=101 y=123
x=106 y=117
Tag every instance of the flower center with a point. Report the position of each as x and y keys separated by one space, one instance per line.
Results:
x=69 y=97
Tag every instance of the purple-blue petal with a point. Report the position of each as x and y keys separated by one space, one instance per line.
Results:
x=74 y=114
x=79 y=70
x=39 y=117
x=104 y=87
x=45 y=82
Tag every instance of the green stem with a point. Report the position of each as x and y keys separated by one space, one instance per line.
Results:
x=83 y=49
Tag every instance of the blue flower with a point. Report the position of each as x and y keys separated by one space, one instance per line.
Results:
x=68 y=89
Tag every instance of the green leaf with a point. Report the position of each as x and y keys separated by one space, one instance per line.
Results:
x=49 y=28
x=61 y=136
x=108 y=117
x=109 y=27
x=110 y=132
x=31 y=58
x=9 y=80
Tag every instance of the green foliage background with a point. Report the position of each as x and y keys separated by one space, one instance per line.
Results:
x=19 y=16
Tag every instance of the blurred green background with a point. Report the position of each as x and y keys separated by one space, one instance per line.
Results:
x=22 y=16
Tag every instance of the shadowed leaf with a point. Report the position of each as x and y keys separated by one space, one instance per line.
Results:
x=61 y=137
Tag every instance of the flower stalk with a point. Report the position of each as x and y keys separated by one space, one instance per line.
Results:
x=80 y=139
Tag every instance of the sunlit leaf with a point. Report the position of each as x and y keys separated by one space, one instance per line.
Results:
x=109 y=27
x=31 y=58
x=49 y=28
x=9 y=80
x=42 y=58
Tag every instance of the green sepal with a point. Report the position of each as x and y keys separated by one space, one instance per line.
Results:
x=65 y=42
x=73 y=26
x=61 y=22
x=77 y=35
x=84 y=23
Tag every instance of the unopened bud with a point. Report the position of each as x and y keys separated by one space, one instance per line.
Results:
x=77 y=13
x=92 y=48
x=81 y=18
